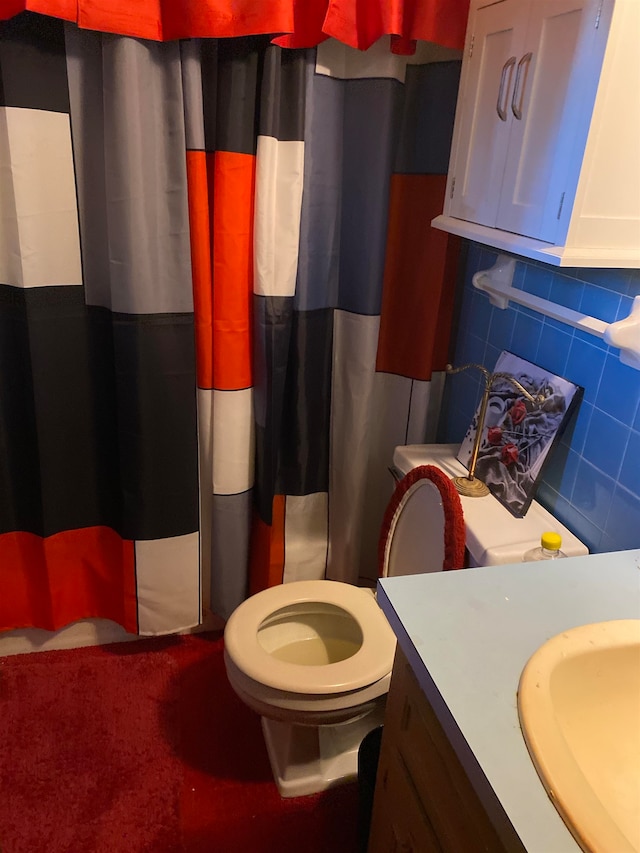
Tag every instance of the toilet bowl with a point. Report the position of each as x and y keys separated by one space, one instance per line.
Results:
x=314 y=658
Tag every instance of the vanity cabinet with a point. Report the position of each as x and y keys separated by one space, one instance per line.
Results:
x=424 y=800
x=544 y=158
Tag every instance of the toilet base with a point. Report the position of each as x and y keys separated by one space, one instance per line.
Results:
x=308 y=759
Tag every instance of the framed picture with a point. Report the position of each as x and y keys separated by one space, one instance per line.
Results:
x=517 y=434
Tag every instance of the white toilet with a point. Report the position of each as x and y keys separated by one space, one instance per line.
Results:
x=314 y=658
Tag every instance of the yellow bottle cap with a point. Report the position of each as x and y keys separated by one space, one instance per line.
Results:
x=551 y=541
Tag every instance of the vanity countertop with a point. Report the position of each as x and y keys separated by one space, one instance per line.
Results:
x=468 y=634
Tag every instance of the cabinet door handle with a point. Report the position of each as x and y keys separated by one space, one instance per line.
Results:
x=518 y=89
x=501 y=102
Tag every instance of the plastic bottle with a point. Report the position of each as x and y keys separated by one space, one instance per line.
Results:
x=549 y=548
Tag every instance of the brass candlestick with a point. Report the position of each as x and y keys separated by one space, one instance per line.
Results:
x=470 y=486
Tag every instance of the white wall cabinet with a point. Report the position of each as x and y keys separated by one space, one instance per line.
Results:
x=545 y=155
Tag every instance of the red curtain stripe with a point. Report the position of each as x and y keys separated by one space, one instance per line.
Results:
x=199 y=230
x=300 y=23
x=419 y=280
x=267 y=548
x=49 y=582
x=221 y=188
x=232 y=190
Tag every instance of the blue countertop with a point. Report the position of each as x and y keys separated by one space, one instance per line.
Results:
x=468 y=634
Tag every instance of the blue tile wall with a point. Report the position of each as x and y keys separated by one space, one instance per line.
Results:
x=591 y=481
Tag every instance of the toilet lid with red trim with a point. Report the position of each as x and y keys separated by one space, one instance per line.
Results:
x=423 y=528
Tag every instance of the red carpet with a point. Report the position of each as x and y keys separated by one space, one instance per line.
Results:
x=144 y=748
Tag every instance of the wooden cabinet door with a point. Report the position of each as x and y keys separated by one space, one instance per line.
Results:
x=483 y=118
x=424 y=800
x=542 y=138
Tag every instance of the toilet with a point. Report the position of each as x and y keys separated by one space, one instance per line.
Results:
x=314 y=658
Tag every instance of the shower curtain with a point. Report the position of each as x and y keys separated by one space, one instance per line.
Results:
x=221 y=306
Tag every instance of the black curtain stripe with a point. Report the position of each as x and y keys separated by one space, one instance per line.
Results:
x=33 y=69
x=97 y=417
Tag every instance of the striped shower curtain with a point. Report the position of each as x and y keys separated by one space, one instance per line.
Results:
x=221 y=306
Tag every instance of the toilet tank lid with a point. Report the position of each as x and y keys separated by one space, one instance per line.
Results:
x=493 y=535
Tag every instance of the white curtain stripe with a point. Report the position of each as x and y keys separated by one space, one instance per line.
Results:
x=305 y=537
x=168 y=582
x=39 y=237
x=278 y=202
x=352 y=407
x=233 y=441
x=378 y=411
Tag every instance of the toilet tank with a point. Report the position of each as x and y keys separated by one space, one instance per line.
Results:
x=494 y=536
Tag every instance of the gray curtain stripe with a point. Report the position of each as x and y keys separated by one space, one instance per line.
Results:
x=231 y=527
x=350 y=142
x=192 y=93
x=129 y=146
x=318 y=258
x=372 y=110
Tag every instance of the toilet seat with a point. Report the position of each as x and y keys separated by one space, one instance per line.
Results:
x=372 y=661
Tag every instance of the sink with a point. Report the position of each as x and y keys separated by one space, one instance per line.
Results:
x=579 y=708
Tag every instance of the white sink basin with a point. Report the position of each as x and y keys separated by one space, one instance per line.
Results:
x=579 y=707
